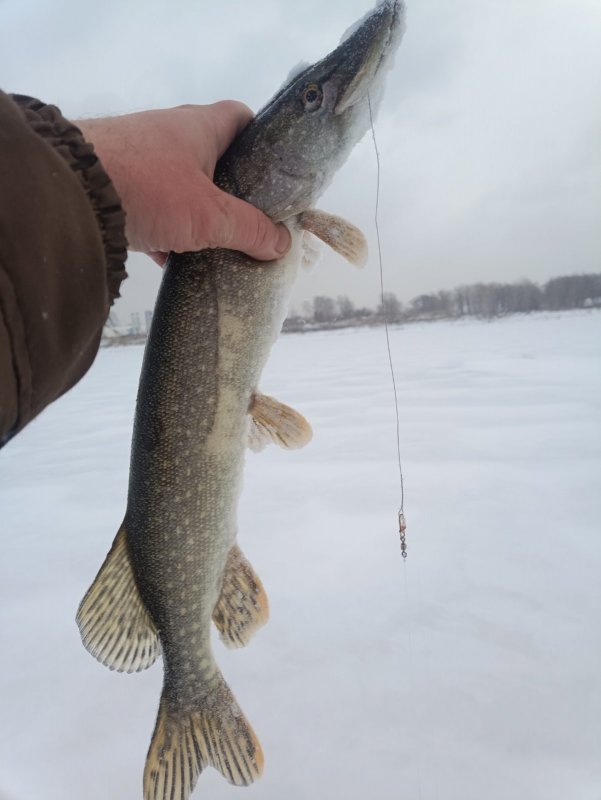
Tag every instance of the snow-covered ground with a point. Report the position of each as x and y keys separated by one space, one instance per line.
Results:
x=472 y=672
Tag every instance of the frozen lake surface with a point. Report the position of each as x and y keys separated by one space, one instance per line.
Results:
x=472 y=672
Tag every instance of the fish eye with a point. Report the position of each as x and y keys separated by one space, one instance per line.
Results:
x=312 y=97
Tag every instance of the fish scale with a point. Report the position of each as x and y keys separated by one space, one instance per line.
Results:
x=175 y=565
x=199 y=466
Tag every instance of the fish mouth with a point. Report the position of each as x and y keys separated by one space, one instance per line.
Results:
x=367 y=50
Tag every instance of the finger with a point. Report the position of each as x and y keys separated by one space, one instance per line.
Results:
x=231 y=117
x=158 y=257
x=243 y=227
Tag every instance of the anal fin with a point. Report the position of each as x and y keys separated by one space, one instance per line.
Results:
x=114 y=624
x=272 y=421
x=242 y=607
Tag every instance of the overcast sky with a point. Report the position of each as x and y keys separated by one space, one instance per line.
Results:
x=489 y=131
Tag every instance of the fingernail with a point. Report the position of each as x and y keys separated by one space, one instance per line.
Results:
x=284 y=240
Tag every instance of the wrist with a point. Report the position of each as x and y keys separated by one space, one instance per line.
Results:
x=100 y=135
x=118 y=143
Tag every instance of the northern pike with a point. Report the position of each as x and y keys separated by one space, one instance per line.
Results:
x=175 y=564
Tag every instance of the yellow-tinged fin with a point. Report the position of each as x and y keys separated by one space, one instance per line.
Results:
x=337 y=233
x=272 y=421
x=242 y=607
x=114 y=624
x=216 y=734
x=312 y=250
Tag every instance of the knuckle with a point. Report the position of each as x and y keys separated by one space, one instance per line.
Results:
x=261 y=234
x=220 y=223
x=234 y=108
x=225 y=222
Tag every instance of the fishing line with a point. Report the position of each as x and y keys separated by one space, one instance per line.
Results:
x=401 y=512
x=418 y=738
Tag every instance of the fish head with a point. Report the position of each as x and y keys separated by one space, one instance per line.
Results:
x=286 y=157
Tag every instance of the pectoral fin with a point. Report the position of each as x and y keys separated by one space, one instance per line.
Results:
x=114 y=624
x=272 y=421
x=337 y=233
x=242 y=607
x=312 y=250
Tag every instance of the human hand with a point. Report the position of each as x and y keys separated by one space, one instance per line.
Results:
x=161 y=164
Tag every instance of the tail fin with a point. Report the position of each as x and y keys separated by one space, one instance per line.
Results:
x=215 y=734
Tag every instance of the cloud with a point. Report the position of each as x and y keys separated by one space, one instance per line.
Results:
x=488 y=132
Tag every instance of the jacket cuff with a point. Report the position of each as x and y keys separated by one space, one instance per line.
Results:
x=48 y=122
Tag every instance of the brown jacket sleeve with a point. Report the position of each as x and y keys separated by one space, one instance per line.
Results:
x=62 y=254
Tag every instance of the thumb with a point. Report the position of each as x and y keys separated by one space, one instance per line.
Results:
x=243 y=227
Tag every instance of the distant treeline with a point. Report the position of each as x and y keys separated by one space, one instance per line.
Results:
x=476 y=300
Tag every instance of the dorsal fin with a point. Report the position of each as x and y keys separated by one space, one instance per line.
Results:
x=114 y=624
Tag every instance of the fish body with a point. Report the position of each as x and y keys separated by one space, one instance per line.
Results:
x=175 y=565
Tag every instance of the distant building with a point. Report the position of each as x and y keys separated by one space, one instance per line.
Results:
x=147 y=319
x=115 y=331
x=136 y=328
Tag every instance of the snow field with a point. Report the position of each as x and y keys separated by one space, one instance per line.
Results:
x=470 y=672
